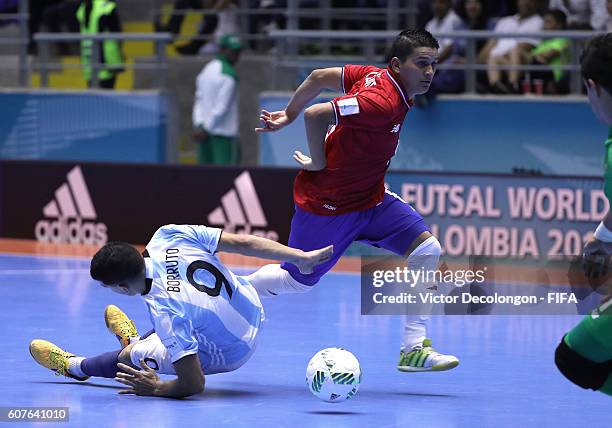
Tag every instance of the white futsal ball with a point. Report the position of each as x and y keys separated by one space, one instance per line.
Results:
x=333 y=375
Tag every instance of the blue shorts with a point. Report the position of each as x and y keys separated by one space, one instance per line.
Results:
x=393 y=225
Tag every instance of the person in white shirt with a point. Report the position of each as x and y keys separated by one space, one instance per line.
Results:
x=582 y=14
x=206 y=319
x=497 y=51
x=215 y=107
x=445 y=20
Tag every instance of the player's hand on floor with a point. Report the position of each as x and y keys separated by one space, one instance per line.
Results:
x=140 y=382
x=596 y=258
x=310 y=259
x=306 y=162
x=273 y=121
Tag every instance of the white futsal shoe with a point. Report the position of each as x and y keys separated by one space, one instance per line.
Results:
x=423 y=358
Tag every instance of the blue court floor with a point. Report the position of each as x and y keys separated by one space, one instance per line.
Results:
x=506 y=378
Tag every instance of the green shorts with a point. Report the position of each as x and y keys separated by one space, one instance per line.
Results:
x=218 y=150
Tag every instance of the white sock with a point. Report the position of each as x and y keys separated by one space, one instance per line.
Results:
x=272 y=280
x=424 y=257
x=415 y=331
x=74 y=366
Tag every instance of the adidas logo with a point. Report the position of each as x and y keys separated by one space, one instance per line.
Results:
x=74 y=215
x=241 y=211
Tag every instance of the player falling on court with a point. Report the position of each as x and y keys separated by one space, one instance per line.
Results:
x=205 y=317
x=340 y=195
x=584 y=355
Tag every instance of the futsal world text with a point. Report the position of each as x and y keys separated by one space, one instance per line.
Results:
x=508 y=220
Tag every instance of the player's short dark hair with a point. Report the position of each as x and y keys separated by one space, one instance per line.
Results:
x=596 y=61
x=116 y=262
x=559 y=16
x=408 y=40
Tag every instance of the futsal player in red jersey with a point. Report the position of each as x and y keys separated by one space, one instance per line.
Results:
x=340 y=195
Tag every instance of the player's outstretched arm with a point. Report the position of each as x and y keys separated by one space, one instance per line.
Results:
x=189 y=380
x=255 y=246
x=324 y=78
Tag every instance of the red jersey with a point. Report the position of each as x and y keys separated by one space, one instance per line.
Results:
x=359 y=147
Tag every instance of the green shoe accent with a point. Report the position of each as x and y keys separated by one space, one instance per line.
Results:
x=414 y=361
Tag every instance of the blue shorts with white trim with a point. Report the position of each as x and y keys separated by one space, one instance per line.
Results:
x=392 y=224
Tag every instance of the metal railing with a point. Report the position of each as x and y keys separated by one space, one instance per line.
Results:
x=323 y=11
x=22 y=17
x=393 y=16
x=287 y=41
x=45 y=66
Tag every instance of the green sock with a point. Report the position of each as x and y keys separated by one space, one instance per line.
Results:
x=592 y=338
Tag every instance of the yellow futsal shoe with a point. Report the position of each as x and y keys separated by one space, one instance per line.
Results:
x=52 y=357
x=120 y=325
x=422 y=358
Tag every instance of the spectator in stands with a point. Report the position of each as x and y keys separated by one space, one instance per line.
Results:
x=496 y=52
x=445 y=20
x=554 y=52
x=582 y=14
x=215 y=108
x=475 y=16
x=96 y=17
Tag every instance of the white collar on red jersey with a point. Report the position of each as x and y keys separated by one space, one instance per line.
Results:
x=399 y=88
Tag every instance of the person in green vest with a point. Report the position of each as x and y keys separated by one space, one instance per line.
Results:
x=215 y=107
x=584 y=355
x=96 y=17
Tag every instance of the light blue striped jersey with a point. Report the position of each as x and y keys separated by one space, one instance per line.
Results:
x=197 y=304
